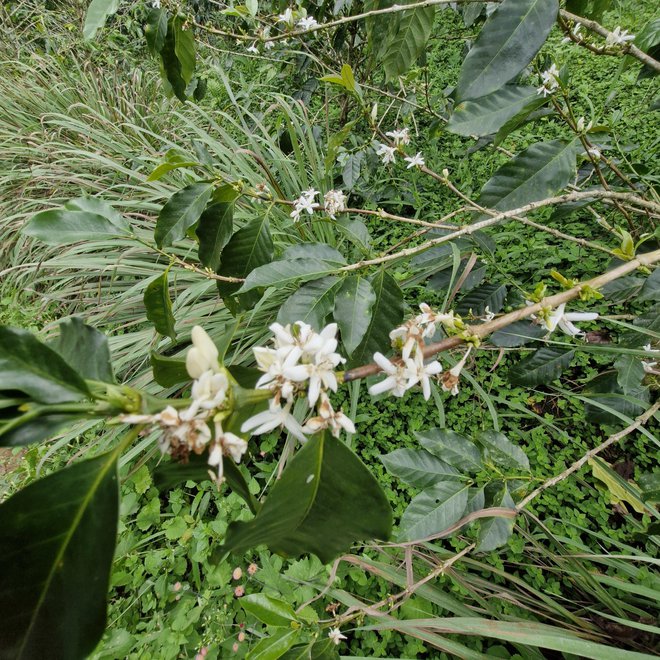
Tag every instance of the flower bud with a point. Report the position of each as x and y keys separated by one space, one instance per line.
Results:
x=203 y=356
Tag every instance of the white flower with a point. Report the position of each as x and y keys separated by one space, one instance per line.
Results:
x=226 y=444
x=307 y=23
x=410 y=336
x=253 y=48
x=269 y=45
x=386 y=153
x=550 y=79
x=414 y=161
x=649 y=367
x=595 y=153
x=557 y=318
x=618 y=37
x=400 y=137
x=648 y=349
x=305 y=203
x=397 y=379
x=577 y=28
x=335 y=635
x=279 y=363
x=321 y=374
x=488 y=315
x=450 y=378
x=335 y=202
x=270 y=419
x=156 y=4
x=421 y=373
x=329 y=418
x=286 y=17
x=203 y=356
x=209 y=391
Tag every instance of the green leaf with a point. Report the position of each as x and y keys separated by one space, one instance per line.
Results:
x=486 y=115
x=538 y=172
x=214 y=230
x=56 y=549
x=508 y=41
x=32 y=367
x=162 y=169
x=181 y=211
x=543 y=366
x=99 y=207
x=453 y=448
x=489 y=296
x=620 y=290
x=353 y=304
x=85 y=349
x=593 y=9
x=168 y=371
x=352 y=169
x=501 y=451
x=271 y=611
x=184 y=47
x=433 y=511
x=249 y=248
x=651 y=288
x=518 y=334
x=311 y=303
x=630 y=373
x=63 y=226
x=418 y=468
x=159 y=306
x=316 y=251
x=604 y=390
x=25 y=429
x=312 y=507
x=281 y=273
x=98 y=13
x=386 y=314
x=274 y=646
x=324 y=649
x=155 y=31
x=177 y=57
x=410 y=32
x=355 y=231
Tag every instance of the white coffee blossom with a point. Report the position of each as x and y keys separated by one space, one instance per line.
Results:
x=329 y=418
x=558 y=318
x=335 y=635
x=276 y=416
x=550 y=80
x=253 y=48
x=415 y=161
x=306 y=23
x=286 y=17
x=397 y=377
x=595 y=153
x=305 y=203
x=335 y=202
x=203 y=356
x=450 y=379
x=387 y=154
x=618 y=37
x=575 y=32
x=400 y=136
x=269 y=45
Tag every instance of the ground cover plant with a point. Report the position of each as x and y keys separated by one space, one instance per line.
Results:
x=329 y=329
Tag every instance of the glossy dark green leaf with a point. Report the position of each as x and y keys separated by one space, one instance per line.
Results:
x=495 y=532
x=605 y=391
x=249 y=248
x=651 y=288
x=316 y=251
x=159 y=306
x=353 y=310
x=620 y=290
x=311 y=303
x=433 y=510
x=518 y=334
x=353 y=169
x=355 y=231
x=269 y=610
x=98 y=13
x=489 y=296
x=418 y=468
x=181 y=211
x=406 y=41
x=32 y=367
x=25 y=429
x=593 y=9
x=630 y=373
x=542 y=367
x=312 y=507
x=56 y=548
x=85 y=349
x=184 y=47
x=168 y=371
x=281 y=273
x=486 y=115
x=453 y=448
x=508 y=41
x=386 y=314
x=538 y=172
x=275 y=645
x=63 y=226
x=155 y=30
x=324 y=649
x=214 y=230
x=498 y=449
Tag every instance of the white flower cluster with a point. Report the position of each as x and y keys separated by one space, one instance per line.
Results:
x=189 y=430
x=334 y=200
x=412 y=369
x=650 y=366
x=550 y=80
x=401 y=137
x=618 y=37
x=301 y=361
x=306 y=23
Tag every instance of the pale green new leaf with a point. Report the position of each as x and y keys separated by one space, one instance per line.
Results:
x=487 y=114
x=510 y=38
x=433 y=511
x=538 y=172
x=64 y=226
x=353 y=305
